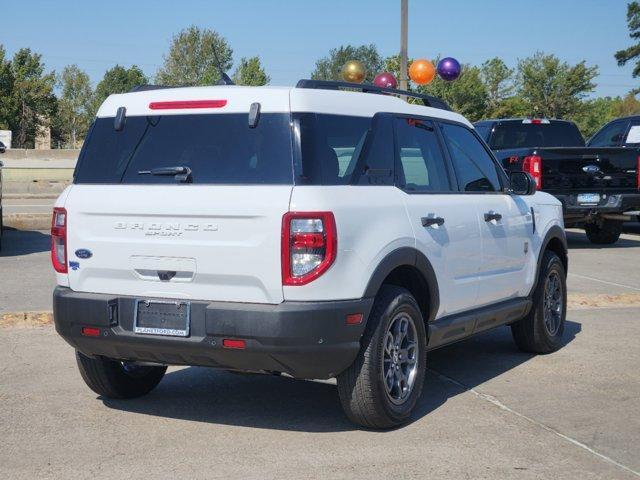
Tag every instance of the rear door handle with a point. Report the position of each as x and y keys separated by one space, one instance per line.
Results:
x=492 y=216
x=430 y=221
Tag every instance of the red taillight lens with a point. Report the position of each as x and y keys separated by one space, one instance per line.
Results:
x=59 y=240
x=309 y=246
x=533 y=165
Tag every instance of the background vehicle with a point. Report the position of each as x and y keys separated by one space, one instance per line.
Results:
x=309 y=231
x=597 y=184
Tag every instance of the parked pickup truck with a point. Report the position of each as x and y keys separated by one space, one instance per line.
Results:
x=597 y=184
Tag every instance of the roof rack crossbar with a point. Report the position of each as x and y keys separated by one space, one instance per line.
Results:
x=427 y=100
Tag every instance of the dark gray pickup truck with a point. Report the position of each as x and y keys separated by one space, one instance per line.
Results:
x=597 y=183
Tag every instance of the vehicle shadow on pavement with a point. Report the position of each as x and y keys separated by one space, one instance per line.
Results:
x=281 y=403
x=579 y=240
x=23 y=242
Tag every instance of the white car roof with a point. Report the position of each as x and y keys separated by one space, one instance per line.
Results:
x=272 y=99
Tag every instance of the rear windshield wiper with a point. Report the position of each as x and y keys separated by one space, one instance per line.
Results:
x=181 y=173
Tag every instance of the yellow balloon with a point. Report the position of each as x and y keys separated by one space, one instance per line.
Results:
x=353 y=71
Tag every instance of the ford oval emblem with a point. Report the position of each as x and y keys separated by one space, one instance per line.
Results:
x=591 y=169
x=83 y=253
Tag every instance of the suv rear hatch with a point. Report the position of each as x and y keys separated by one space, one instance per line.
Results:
x=212 y=232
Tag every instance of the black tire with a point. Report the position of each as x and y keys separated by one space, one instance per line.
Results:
x=361 y=387
x=114 y=379
x=532 y=334
x=606 y=234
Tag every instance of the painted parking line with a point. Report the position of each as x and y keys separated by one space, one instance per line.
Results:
x=604 y=281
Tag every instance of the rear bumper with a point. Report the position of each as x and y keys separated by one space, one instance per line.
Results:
x=613 y=204
x=303 y=339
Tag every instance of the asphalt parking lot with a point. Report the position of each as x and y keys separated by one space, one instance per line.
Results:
x=487 y=410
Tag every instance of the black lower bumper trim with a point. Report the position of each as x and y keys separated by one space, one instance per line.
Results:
x=303 y=339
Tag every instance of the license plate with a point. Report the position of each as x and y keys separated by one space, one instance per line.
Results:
x=589 y=198
x=153 y=317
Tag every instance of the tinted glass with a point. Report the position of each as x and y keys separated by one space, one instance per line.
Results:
x=330 y=146
x=529 y=135
x=219 y=149
x=484 y=131
x=609 y=136
x=475 y=169
x=421 y=159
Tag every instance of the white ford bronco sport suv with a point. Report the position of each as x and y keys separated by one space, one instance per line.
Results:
x=309 y=231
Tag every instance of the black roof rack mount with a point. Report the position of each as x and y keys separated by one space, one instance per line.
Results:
x=427 y=100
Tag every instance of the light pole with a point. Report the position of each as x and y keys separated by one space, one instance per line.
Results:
x=404 y=27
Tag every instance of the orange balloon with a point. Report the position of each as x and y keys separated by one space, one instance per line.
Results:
x=422 y=71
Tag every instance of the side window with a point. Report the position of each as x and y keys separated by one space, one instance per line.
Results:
x=422 y=163
x=330 y=146
x=609 y=136
x=633 y=137
x=475 y=169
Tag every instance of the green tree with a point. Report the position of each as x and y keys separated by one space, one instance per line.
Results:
x=6 y=89
x=553 y=88
x=117 y=80
x=594 y=113
x=192 y=58
x=250 y=72
x=498 y=81
x=74 y=105
x=629 y=105
x=329 y=67
x=467 y=95
x=633 y=52
x=32 y=100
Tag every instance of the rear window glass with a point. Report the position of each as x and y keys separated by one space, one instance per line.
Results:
x=330 y=146
x=530 y=135
x=219 y=149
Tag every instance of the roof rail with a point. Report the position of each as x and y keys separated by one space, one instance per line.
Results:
x=427 y=100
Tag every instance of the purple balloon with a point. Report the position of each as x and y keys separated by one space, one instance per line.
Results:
x=449 y=69
x=385 y=80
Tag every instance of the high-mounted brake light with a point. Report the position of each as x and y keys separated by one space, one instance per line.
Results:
x=309 y=246
x=59 y=240
x=183 y=104
x=533 y=165
x=536 y=121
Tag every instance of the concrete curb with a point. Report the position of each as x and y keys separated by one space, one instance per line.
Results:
x=575 y=301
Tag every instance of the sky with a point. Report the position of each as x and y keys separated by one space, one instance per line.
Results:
x=289 y=36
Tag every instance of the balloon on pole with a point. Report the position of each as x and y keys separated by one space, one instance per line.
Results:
x=353 y=71
x=385 y=80
x=449 y=69
x=422 y=71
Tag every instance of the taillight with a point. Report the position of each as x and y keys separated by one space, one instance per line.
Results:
x=59 y=240
x=638 y=173
x=309 y=245
x=533 y=165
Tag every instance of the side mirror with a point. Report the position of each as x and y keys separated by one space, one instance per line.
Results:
x=522 y=183
x=2 y=148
